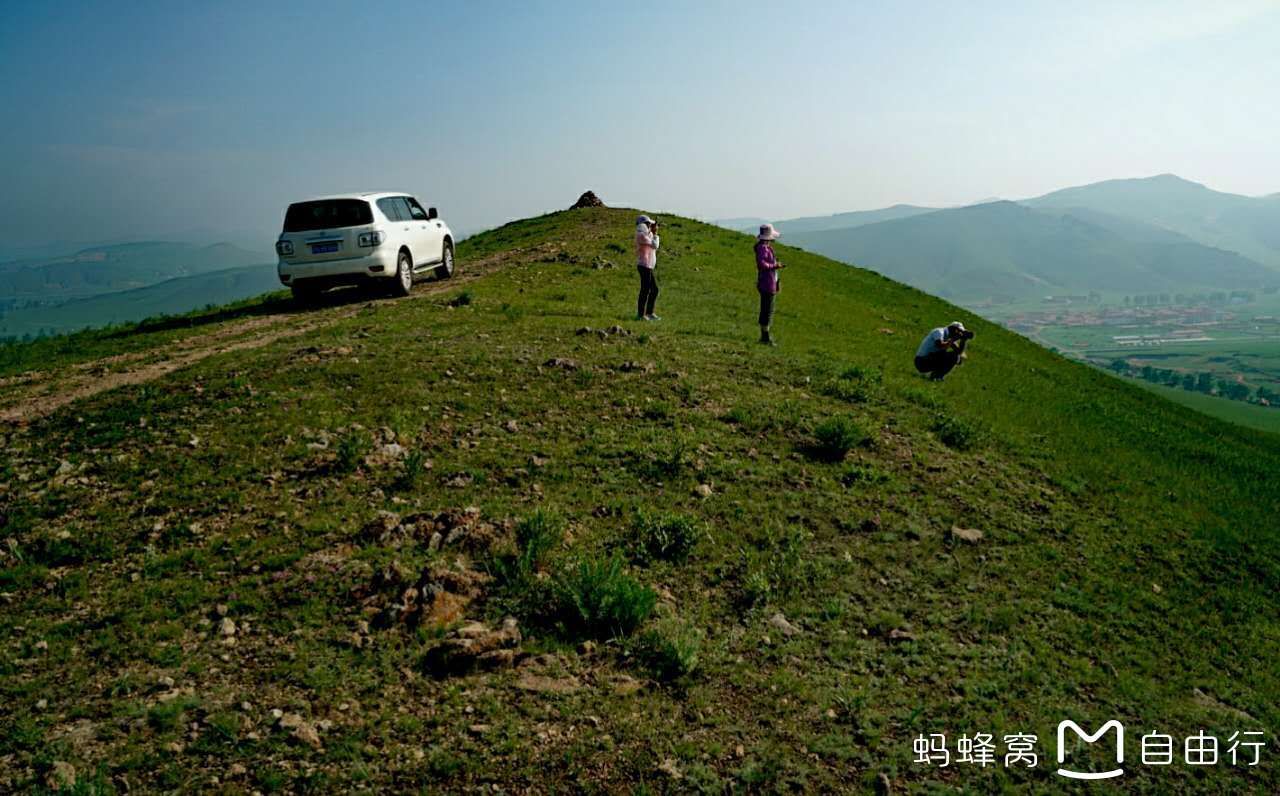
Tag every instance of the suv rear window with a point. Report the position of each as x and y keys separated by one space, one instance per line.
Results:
x=327 y=214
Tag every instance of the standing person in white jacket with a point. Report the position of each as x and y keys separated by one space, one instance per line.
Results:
x=646 y=261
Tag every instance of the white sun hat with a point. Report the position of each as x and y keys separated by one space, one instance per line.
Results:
x=767 y=232
x=644 y=220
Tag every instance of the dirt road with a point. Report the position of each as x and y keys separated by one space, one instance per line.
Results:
x=30 y=396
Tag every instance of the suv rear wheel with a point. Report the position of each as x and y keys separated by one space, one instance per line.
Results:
x=305 y=295
x=445 y=269
x=404 y=275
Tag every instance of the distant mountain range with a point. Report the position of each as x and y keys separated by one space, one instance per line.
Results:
x=170 y=297
x=1157 y=234
x=106 y=269
x=124 y=282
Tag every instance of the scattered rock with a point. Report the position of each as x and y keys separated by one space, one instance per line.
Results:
x=479 y=729
x=300 y=729
x=165 y=682
x=474 y=646
x=227 y=626
x=885 y=330
x=512 y=426
x=548 y=685
x=41 y=704
x=562 y=363
x=900 y=635
x=637 y=367
x=626 y=684
x=584 y=330
x=780 y=622
x=668 y=767
x=446 y=609
x=1213 y=703
x=539 y=461
x=703 y=490
x=460 y=481
x=969 y=535
x=386 y=453
x=61 y=775
x=384 y=526
x=883 y=786
x=588 y=199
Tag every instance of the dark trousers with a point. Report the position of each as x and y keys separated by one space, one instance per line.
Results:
x=938 y=364
x=648 y=291
x=766 y=309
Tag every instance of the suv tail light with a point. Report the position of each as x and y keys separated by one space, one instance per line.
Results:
x=284 y=248
x=370 y=240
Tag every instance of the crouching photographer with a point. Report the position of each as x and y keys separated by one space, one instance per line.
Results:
x=942 y=349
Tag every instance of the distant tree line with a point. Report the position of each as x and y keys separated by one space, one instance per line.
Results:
x=1203 y=382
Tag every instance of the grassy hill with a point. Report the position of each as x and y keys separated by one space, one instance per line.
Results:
x=1009 y=250
x=172 y=296
x=729 y=567
x=1244 y=224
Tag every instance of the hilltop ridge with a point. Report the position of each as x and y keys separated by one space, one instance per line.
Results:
x=281 y=554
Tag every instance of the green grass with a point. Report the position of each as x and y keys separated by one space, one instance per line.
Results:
x=1129 y=554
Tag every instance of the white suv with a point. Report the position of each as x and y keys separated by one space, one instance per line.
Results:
x=380 y=238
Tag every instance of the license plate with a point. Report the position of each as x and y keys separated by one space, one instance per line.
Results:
x=323 y=248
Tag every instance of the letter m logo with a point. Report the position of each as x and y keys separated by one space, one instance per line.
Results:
x=1087 y=738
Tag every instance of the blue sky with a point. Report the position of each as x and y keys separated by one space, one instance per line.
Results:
x=163 y=120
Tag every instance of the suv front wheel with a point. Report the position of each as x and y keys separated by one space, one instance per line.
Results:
x=445 y=269
x=404 y=275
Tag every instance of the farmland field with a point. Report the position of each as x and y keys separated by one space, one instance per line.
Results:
x=1238 y=412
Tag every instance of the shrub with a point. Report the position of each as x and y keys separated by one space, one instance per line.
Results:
x=863 y=474
x=847 y=390
x=669 y=651
x=597 y=599
x=835 y=437
x=352 y=449
x=922 y=397
x=956 y=432
x=861 y=373
x=415 y=464
x=535 y=537
x=667 y=537
x=775 y=567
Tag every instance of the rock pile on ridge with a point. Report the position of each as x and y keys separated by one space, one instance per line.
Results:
x=588 y=199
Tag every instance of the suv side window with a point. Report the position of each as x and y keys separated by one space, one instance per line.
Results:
x=415 y=210
x=393 y=208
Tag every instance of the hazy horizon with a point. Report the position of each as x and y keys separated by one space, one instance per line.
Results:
x=163 y=123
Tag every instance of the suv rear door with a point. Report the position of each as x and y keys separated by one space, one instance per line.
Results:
x=326 y=229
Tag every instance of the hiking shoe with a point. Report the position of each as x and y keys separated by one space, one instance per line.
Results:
x=652 y=318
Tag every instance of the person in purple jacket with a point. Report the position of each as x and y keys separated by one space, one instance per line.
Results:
x=767 y=267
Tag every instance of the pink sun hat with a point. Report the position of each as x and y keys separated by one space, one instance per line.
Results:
x=767 y=232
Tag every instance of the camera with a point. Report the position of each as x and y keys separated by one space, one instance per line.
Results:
x=966 y=335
